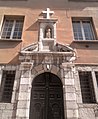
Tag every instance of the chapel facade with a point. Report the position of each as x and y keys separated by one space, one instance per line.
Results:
x=48 y=59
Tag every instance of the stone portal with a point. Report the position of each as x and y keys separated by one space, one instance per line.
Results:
x=46 y=97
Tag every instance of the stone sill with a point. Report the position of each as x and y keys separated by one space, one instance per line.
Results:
x=47 y=53
x=48 y=40
x=90 y=105
x=86 y=64
x=85 y=41
x=14 y=40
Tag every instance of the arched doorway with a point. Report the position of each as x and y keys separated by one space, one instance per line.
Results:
x=46 y=97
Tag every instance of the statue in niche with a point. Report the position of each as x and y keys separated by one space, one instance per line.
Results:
x=48 y=32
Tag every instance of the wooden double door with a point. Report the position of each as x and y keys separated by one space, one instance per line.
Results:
x=46 y=97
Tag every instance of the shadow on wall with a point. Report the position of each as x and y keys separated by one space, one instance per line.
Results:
x=9 y=52
x=9 y=44
x=85 y=45
x=53 y=4
x=14 y=60
x=33 y=27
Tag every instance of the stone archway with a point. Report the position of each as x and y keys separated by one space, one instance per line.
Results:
x=46 y=97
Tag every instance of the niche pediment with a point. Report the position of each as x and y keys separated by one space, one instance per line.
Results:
x=30 y=48
x=63 y=48
x=57 y=48
x=60 y=54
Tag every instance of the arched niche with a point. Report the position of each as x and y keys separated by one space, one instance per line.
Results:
x=48 y=32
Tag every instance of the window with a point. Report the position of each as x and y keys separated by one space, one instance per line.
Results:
x=83 y=29
x=87 y=89
x=7 y=85
x=96 y=73
x=12 y=28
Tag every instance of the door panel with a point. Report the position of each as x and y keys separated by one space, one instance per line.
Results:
x=46 y=97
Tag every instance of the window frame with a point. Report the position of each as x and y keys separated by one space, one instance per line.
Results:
x=96 y=75
x=91 y=85
x=14 y=18
x=2 y=88
x=92 y=28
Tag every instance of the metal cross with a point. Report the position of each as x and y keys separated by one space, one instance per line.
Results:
x=48 y=12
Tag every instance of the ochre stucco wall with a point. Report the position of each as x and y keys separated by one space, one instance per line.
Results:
x=87 y=52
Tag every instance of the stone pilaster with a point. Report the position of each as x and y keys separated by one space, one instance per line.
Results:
x=71 y=107
x=24 y=92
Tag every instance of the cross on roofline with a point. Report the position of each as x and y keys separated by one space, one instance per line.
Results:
x=48 y=13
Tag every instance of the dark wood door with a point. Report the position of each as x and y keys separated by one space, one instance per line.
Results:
x=46 y=97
